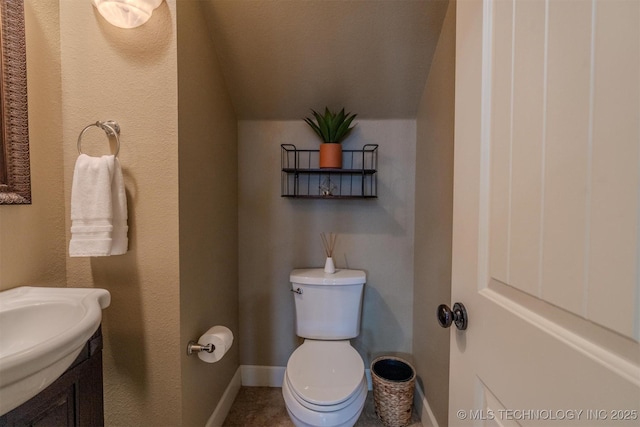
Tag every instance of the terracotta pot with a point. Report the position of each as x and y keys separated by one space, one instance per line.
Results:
x=330 y=155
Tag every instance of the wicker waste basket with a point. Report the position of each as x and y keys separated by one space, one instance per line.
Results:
x=393 y=384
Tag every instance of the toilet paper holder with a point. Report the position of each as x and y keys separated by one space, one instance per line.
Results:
x=212 y=345
x=194 y=347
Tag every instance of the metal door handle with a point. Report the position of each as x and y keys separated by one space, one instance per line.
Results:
x=458 y=315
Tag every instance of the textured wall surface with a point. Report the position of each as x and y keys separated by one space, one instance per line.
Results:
x=32 y=237
x=81 y=70
x=434 y=210
x=281 y=58
x=131 y=76
x=208 y=170
x=279 y=234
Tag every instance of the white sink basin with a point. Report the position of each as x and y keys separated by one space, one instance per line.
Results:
x=42 y=331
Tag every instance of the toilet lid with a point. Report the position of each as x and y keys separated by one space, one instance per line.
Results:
x=325 y=372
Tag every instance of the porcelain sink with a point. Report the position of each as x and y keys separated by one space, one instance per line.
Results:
x=42 y=331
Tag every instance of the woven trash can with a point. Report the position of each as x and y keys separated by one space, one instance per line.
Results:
x=393 y=384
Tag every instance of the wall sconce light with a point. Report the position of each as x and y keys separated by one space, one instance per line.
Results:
x=126 y=13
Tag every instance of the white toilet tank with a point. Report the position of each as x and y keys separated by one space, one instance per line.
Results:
x=328 y=306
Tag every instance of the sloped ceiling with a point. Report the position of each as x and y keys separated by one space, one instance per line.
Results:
x=282 y=57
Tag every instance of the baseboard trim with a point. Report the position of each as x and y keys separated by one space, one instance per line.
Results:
x=262 y=376
x=272 y=376
x=224 y=406
x=423 y=409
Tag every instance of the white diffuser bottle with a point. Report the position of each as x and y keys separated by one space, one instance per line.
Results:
x=329 y=244
x=329 y=266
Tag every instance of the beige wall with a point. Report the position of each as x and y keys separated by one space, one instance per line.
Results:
x=32 y=236
x=175 y=281
x=434 y=208
x=279 y=234
x=131 y=76
x=180 y=274
x=371 y=56
x=208 y=168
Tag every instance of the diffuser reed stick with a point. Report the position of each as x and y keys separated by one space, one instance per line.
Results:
x=329 y=243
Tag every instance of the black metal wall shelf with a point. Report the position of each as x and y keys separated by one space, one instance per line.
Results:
x=301 y=176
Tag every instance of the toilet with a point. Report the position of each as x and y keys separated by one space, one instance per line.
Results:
x=324 y=382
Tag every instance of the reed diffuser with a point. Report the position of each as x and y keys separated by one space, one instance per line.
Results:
x=329 y=244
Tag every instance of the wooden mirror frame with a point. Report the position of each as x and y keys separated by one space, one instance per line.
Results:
x=15 y=177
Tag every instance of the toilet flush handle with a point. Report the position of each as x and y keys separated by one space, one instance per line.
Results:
x=297 y=291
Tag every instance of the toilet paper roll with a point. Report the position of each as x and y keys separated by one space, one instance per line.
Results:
x=221 y=337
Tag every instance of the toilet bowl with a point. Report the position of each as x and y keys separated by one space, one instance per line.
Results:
x=324 y=384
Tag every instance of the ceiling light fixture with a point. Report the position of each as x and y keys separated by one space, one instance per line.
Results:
x=126 y=13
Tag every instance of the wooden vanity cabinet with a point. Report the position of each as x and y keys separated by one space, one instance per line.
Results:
x=74 y=399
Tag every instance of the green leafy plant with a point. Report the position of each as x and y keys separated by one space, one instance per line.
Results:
x=331 y=127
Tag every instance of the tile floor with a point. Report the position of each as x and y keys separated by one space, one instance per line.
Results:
x=264 y=407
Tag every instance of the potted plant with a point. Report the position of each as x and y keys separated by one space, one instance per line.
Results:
x=332 y=128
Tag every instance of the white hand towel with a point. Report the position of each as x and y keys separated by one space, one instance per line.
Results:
x=119 y=240
x=97 y=199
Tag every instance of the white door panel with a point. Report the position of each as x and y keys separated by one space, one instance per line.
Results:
x=546 y=213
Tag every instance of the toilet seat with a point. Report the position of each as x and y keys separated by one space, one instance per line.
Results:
x=324 y=384
x=324 y=408
x=325 y=374
x=344 y=415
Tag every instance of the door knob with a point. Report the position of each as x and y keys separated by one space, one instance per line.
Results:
x=458 y=315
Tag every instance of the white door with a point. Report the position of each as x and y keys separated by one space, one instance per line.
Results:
x=546 y=213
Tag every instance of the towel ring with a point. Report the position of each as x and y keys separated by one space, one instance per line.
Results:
x=111 y=128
